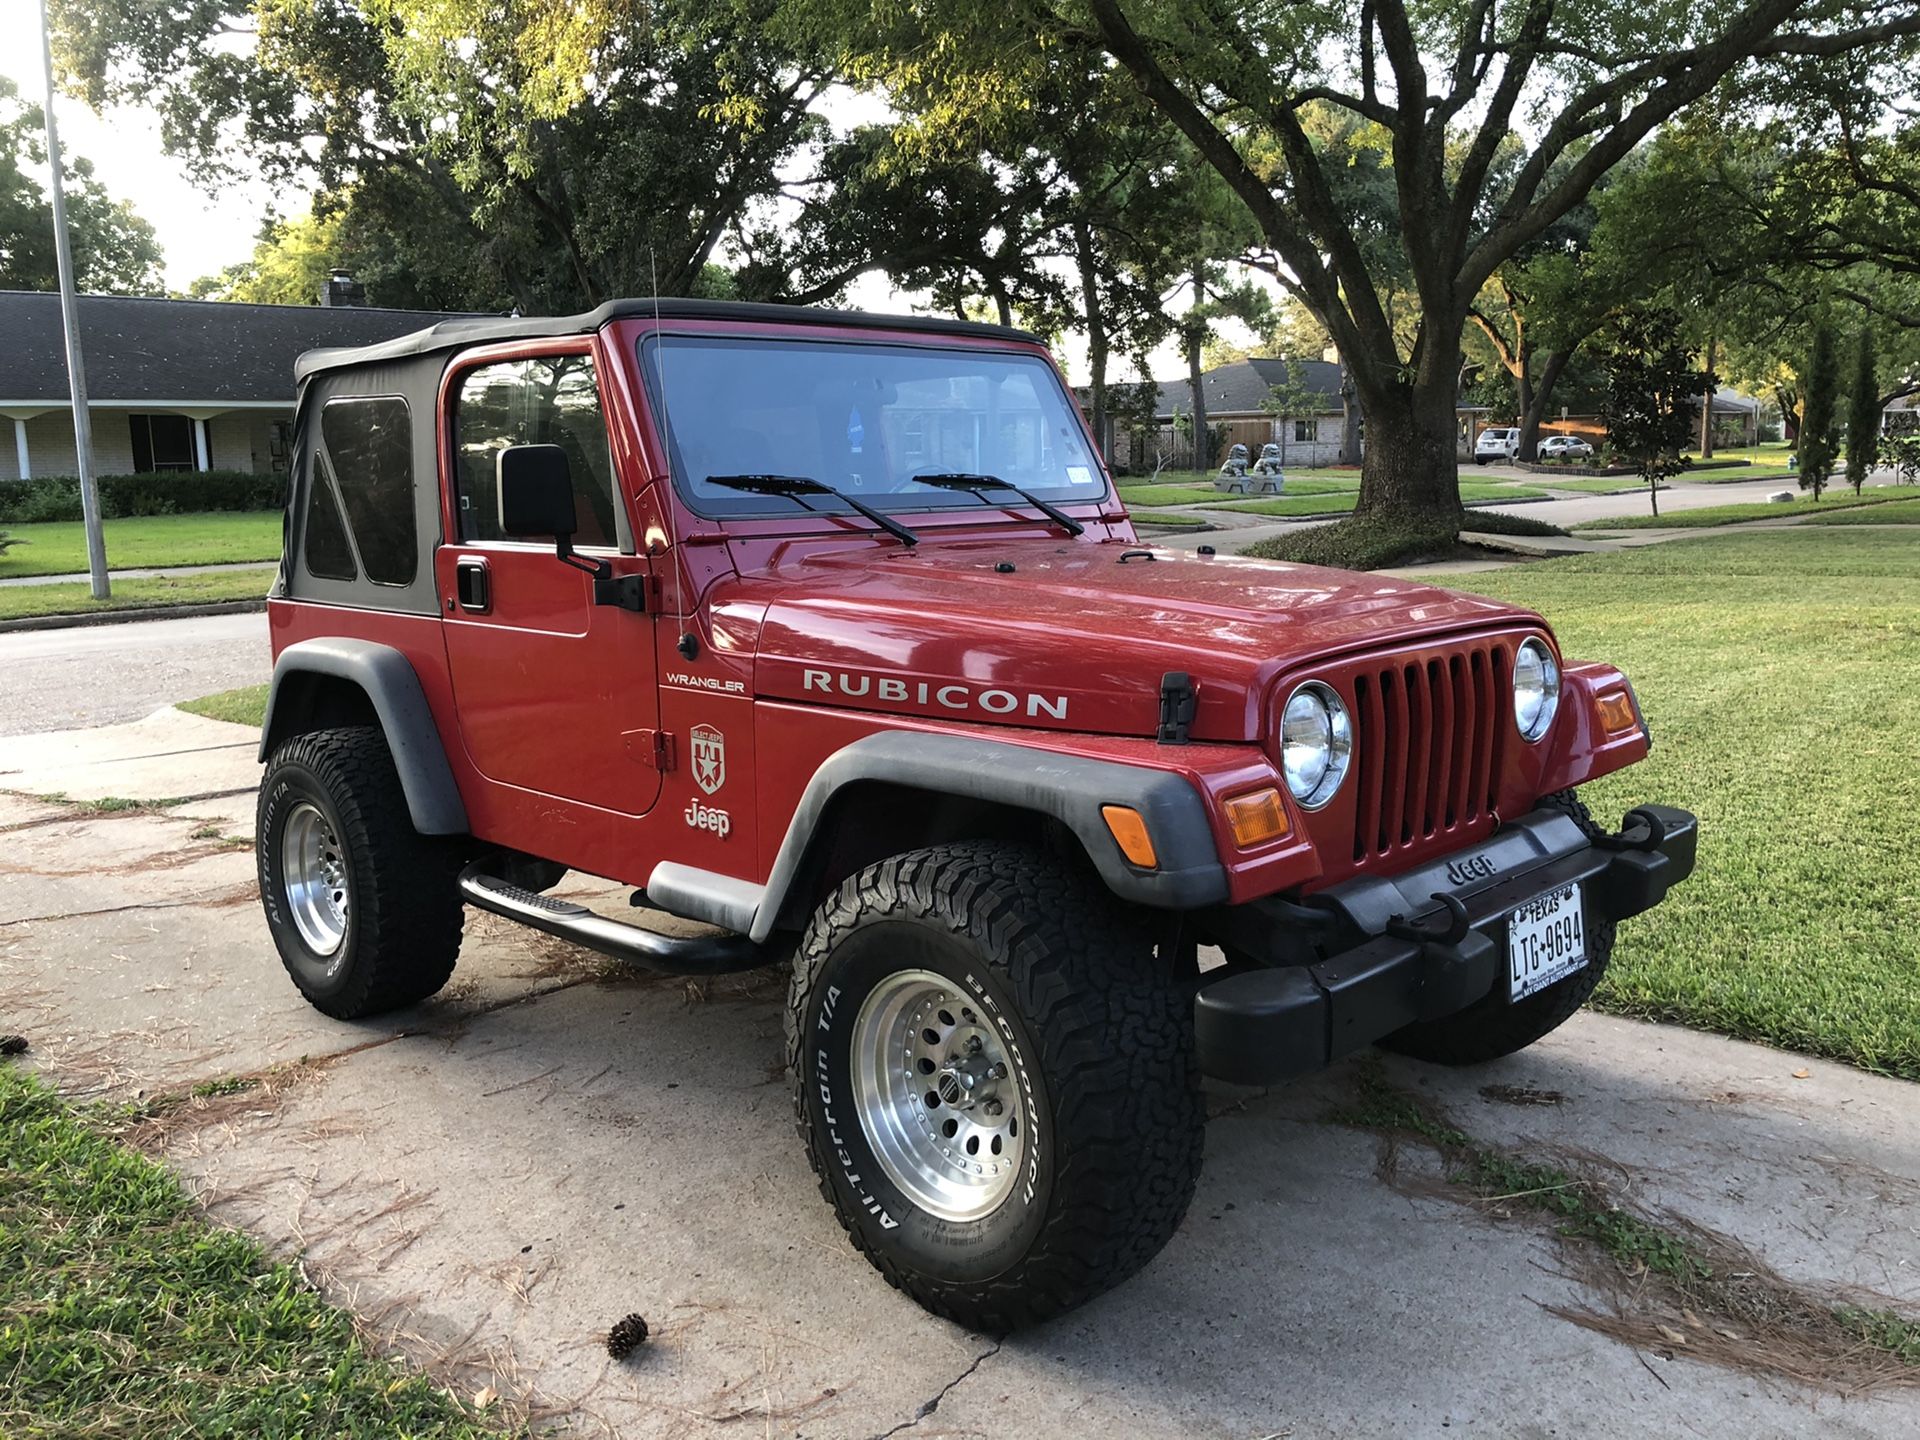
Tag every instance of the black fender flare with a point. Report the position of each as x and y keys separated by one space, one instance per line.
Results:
x=1068 y=788
x=388 y=680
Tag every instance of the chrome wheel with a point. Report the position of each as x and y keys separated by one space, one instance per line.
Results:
x=936 y=1095
x=313 y=873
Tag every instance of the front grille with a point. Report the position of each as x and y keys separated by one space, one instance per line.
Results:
x=1428 y=746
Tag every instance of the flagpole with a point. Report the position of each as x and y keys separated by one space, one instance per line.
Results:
x=70 y=321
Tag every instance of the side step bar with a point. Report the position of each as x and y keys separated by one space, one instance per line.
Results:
x=668 y=954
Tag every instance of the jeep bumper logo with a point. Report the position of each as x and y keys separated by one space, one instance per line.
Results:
x=1474 y=867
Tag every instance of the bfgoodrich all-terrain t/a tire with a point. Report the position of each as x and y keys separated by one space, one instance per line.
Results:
x=1493 y=1027
x=364 y=910
x=995 y=1081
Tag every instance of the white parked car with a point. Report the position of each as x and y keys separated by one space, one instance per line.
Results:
x=1496 y=445
x=1565 y=447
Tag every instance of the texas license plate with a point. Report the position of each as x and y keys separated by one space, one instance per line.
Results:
x=1546 y=941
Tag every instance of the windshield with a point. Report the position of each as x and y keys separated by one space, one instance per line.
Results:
x=864 y=419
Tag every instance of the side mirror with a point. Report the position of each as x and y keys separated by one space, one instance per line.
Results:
x=536 y=492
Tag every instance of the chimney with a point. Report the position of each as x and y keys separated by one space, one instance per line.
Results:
x=342 y=290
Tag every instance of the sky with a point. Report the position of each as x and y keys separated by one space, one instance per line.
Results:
x=202 y=232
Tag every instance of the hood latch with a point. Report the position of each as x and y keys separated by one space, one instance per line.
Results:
x=1177 y=704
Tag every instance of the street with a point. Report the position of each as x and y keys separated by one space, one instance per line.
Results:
x=100 y=674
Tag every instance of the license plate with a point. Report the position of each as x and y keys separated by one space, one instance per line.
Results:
x=1546 y=941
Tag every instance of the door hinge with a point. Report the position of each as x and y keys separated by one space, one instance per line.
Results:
x=639 y=593
x=651 y=748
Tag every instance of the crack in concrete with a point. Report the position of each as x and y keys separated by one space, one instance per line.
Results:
x=928 y=1407
x=232 y=894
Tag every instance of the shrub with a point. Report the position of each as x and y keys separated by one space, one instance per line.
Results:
x=171 y=492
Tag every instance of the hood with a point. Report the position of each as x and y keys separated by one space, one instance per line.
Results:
x=1072 y=636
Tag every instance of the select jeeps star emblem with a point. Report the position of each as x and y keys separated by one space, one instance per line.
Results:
x=709 y=757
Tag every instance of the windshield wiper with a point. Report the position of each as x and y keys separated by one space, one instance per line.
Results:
x=794 y=486
x=975 y=484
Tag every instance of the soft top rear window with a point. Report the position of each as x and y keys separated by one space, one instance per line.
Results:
x=864 y=418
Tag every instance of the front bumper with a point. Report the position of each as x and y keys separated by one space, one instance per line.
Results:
x=1368 y=957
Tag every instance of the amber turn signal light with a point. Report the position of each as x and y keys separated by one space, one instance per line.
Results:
x=1130 y=834
x=1257 y=818
x=1616 y=712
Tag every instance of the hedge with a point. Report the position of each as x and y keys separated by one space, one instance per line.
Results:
x=164 y=492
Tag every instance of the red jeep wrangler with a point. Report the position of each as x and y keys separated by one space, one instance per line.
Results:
x=829 y=631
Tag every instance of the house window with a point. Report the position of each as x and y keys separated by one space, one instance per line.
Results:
x=161 y=442
x=1304 y=429
x=548 y=400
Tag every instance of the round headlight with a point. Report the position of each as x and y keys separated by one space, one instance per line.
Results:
x=1316 y=744
x=1536 y=688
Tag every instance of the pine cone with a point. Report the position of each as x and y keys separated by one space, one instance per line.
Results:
x=627 y=1335
x=13 y=1044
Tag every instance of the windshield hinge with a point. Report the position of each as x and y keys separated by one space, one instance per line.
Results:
x=1177 y=704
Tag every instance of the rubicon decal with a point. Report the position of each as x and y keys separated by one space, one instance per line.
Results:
x=709 y=757
x=937 y=694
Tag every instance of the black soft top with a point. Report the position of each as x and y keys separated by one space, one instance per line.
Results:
x=454 y=333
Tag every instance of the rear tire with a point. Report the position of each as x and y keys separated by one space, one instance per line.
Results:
x=1493 y=1027
x=1063 y=1139
x=363 y=909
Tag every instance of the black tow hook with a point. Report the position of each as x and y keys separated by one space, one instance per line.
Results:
x=1452 y=927
x=1651 y=835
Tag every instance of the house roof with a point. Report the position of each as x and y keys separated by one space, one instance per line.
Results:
x=472 y=330
x=1242 y=387
x=176 y=351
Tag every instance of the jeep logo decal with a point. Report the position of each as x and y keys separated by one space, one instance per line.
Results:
x=1474 y=867
x=709 y=757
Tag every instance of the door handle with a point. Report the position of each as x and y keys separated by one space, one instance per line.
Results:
x=472 y=585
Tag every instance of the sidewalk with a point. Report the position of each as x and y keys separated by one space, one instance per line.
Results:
x=492 y=1178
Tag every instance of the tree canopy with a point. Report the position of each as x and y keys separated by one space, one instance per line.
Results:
x=114 y=250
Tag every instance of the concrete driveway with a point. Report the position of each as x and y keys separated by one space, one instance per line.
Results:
x=493 y=1178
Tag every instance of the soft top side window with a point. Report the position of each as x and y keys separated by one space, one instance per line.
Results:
x=369 y=443
x=541 y=400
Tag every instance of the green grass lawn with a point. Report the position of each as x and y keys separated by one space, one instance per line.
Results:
x=1338 y=502
x=123 y=1313
x=1159 y=495
x=1777 y=671
x=60 y=548
x=1738 y=514
x=1169 y=518
x=1892 y=512
x=74 y=598
x=245 y=706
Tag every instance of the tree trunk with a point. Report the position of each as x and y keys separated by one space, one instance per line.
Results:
x=1539 y=400
x=1196 y=338
x=1097 y=345
x=1349 y=419
x=1706 y=401
x=1411 y=471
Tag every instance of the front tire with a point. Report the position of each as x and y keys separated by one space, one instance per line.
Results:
x=1494 y=1026
x=363 y=909
x=994 y=1078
